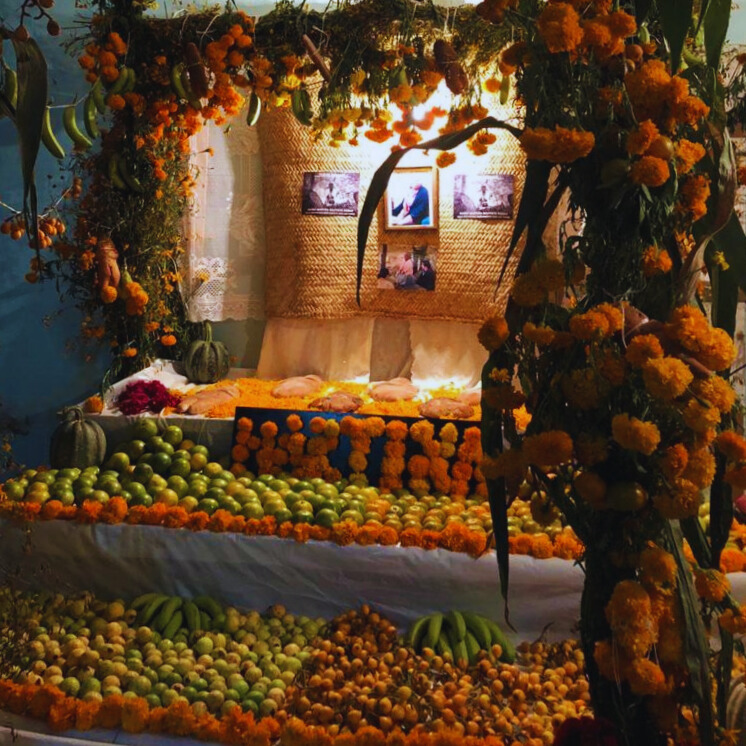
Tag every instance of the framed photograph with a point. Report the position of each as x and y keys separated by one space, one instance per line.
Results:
x=330 y=193
x=411 y=200
x=408 y=268
x=483 y=196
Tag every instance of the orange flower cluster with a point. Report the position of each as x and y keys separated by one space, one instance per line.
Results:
x=560 y=145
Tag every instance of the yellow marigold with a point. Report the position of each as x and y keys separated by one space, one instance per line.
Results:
x=655 y=261
x=509 y=465
x=168 y=340
x=527 y=292
x=589 y=325
x=542 y=336
x=690 y=110
x=712 y=346
x=700 y=417
x=558 y=146
x=647 y=88
x=108 y=294
x=718 y=351
x=445 y=159
x=613 y=314
x=673 y=461
x=549 y=274
x=591 y=488
x=731 y=445
x=666 y=378
x=643 y=348
x=693 y=196
x=612 y=367
x=639 y=140
x=658 y=570
x=559 y=27
x=581 y=388
x=711 y=585
x=94 y=404
x=681 y=501
x=649 y=171
x=550 y=448
x=646 y=678
x=294 y=423
x=493 y=333
x=591 y=450
x=522 y=418
x=688 y=154
x=448 y=433
x=629 y=613
x=700 y=468
x=635 y=435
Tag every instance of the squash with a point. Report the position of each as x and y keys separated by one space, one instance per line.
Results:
x=206 y=361
x=736 y=710
x=76 y=442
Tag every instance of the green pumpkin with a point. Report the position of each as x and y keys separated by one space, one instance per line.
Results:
x=206 y=361
x=77 y=442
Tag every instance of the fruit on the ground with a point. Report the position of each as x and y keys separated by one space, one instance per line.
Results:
x=206 y=360
x=76 y=442
x=459 y=636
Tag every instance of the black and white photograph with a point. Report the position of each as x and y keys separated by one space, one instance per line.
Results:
x=483 y=196
x=412 y=199
x=404 y=267
x=327 y=193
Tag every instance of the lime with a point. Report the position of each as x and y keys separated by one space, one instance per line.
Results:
x=144 y=428
x=302 y=516
x=137 y=490
x=154 y=442
x=173 y=435
x=45 y=477
x=327 y=490
x=249 y=705
x=218 y=483
x=302 y=506
x=228 y=476
x=180 y=467
x=197 y=488
x=155 y=484
x=283 y=515
x=258 y=486
x=178 y=485
x=189 y=503
x=327 y=518
x=231 y=506
x=83 y=493
x=118 y=461
x=200 y=449
x=165 y=448
x=213 y=469
x=270 y=495
x=278 y=484
x=353 y=515
x=215 y=493
x=274 y=506
x=146 y=500
x=316 y=501
x=14 y=490
x=208 y=505
x=197 y=461
x=161 y=462
x=111 y=487
x=246 y=496
x=167 y=497
x=134 y=449
x=71 y=473
x=99 y=496
x=252 y=510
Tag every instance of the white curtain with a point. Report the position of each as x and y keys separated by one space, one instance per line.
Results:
x=223 y=267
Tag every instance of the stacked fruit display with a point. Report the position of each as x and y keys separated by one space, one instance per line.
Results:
x=353 y=672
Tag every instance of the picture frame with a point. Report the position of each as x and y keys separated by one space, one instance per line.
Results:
x=407 y=267
x=327 y=193
x=483 y=196
x=411 y=199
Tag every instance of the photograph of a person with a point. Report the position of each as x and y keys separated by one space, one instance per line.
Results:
x=411 y=199
x=407 y=268
x=327 y=193
x=483 y=196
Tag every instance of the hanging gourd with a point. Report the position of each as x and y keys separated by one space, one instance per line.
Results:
x=76 y=442
x=206 y=361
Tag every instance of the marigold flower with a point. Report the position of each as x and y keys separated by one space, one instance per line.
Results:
x=688 y=154
x=699 y=417
x=590 y=325
x=116 y=102
x=581 y=388
x=556 y=146
x=493 y=333
x=731 y=445
x=736 y=477
x=666 y=378
x=711 y=585
x=647 y=88
x=94 y=404
x=550 y=448
x=693 y=196
x=646 y=678
x=681 y=501
x=700 y=468
x=539 y=335
x=674 y=460
x=527 y=292
x=168 y=340
x=649 y=171
x=733 y=621
x=629 y=613
x=658 y=572
x=635 y=435
x=639 y=140
x=591 y=450
x=445 y=159
x=559 y=26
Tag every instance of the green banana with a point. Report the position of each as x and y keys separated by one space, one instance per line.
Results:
x=417 y=632
x=176 y=81
x=300 y=103
x=193 y=99
x=254 y=110
x=499 y=638
x=434 y=627
x=218 y=621
x=460 y=653
x=205 y=621
x=472 y=648
x=51 y=143
x=148 y=611
x=398 y=76
x=113 y=172
x=97 y=91
x=89 y=117
x=478 y=628
x=505 y=89
x=173 y=626
x=191 y=615
x=70 y=123
x=131 y=181
x=166 y=613
x=456 y=621
x=119 y=84
x=210 y=605
x=442 y=646
x=143 y=600
x=129 y=83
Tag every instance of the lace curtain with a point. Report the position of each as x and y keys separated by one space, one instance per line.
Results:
x=223 y=266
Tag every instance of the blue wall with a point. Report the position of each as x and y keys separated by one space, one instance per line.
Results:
x=38 y=374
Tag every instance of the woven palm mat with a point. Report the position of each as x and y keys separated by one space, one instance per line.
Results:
x=311 y=259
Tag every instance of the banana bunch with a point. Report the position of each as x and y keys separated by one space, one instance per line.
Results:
x=460 y=635
x=125 y=83
x=300 y=103
x=182 y=86
x=120 y=175
x=172 y=616
x=10 y=89
x=254 y=109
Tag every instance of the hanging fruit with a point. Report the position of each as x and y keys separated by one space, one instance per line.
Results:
x=206 y=361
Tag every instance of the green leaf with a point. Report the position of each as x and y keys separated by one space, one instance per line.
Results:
x=31 y=68
x=381 y=178
x=676 y=17
x=696 y=647
x=721 y=512
x=716 y=19
x=695 y=535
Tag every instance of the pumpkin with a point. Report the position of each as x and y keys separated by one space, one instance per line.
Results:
x=736 y=710
x=206 y=361
x=76 y=442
